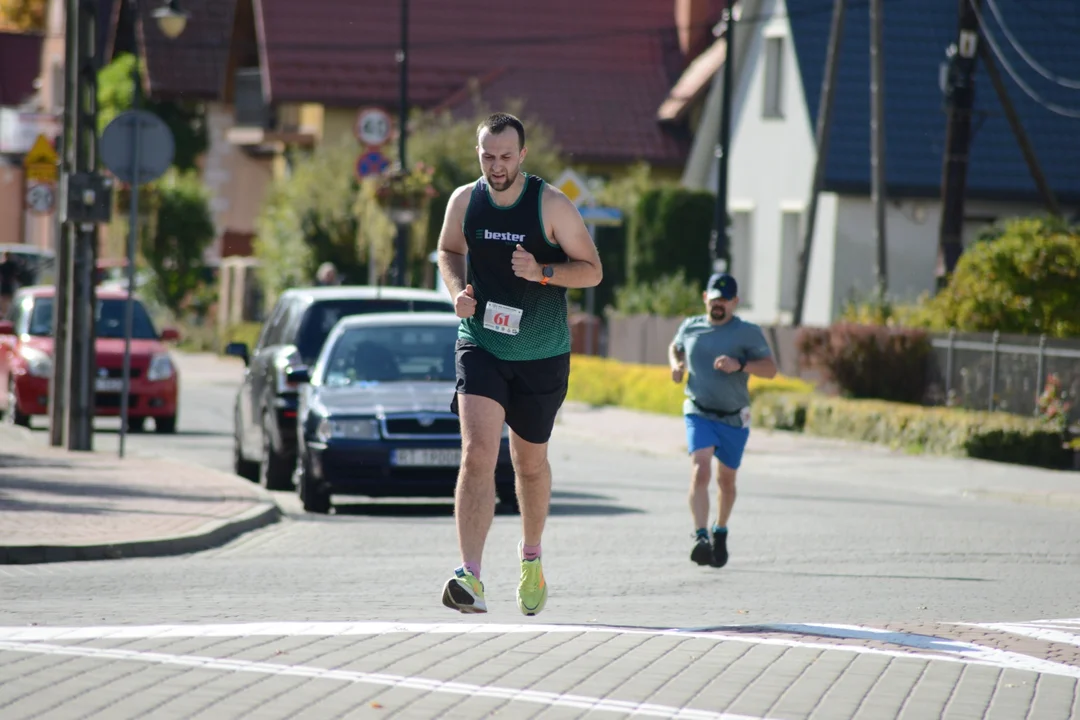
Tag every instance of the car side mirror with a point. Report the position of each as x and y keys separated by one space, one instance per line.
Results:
x=170 y=334
x=298 y=376
x=238 y=349
x=7 y=327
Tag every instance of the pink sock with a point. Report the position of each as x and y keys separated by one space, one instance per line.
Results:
x=530 y=552
x=473 y=568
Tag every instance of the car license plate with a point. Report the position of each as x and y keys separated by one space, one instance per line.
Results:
x=427 y=457
x=109 y=384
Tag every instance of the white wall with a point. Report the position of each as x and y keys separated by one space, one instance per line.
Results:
x=770 y=171
x=911 y=236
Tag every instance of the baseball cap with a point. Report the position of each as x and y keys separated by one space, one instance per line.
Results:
x=721 y=285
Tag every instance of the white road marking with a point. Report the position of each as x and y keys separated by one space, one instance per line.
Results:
x=396 y=681
x=952 y=651
x=971 y=651
x=1058 y=631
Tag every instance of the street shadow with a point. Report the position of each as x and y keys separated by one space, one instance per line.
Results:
x=858 y=575
x=8 y=504
x=150 y=433
x=9 y=460
x=351 y=506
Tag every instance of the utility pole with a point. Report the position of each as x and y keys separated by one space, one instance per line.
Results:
x=959 y=100
x=877 y=143
x=84 y=250
x=824 y=123
x=721 y=234
x=60 y=384
x=401 y=250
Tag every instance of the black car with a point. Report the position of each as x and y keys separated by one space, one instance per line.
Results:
x=264 y=445
x=375 y=414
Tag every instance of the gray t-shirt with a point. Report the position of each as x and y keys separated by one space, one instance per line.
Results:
x=703 y=342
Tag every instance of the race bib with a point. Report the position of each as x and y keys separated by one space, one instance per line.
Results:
x=502 y=318
x=744 y=415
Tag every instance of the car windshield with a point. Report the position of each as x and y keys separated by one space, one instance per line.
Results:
x=321 y=317
x=386 y=354
x=109 y=319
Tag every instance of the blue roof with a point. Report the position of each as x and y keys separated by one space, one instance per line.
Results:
x=916 y=34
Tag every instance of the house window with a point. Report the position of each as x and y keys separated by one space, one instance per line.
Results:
x=774 y=87
x=742 y=254
x=790 y=240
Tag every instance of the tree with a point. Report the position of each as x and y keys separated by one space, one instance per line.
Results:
x=1024 y=278
x=174 y=244
x=187 y=121
x=23 y=15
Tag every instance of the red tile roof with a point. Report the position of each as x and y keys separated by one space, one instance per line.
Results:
x=191 y=66
x=20 y=61
x=594 y=70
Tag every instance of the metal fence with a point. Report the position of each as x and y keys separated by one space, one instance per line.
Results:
x=988 y=371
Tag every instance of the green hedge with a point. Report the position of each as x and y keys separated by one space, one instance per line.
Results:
x=670 y=232
x=1000 y=437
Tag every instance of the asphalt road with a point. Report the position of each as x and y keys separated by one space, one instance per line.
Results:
x=815 y=538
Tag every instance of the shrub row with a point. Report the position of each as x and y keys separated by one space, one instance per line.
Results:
x=603 y=381
x=1000 y=437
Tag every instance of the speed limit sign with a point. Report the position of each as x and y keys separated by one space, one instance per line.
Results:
x=41 y=197
x=373 y=127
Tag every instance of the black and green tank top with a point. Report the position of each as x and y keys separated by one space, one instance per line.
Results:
x=515 y=319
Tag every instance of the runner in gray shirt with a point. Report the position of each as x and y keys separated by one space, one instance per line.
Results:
x=722 y=351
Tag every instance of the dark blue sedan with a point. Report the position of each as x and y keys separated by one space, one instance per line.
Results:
x=374 y=414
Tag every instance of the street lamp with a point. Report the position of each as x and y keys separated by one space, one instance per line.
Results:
x=171 y=19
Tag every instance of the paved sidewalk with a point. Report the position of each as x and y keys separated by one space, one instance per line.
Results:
x=58 y=506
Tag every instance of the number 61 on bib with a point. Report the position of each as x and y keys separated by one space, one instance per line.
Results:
x=502 y=318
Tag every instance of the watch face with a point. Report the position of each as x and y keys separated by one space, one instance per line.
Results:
x=549 y=271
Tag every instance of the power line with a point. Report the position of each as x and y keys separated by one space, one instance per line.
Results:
x=1063 y=81
x=1052 y=107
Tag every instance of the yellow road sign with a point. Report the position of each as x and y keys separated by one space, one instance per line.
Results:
x=575 y=188
x=41 y=162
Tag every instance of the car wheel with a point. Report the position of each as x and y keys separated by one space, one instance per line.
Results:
x=275 y=469
x=242 y=466
x=508 y=502
x=13 y=415
x=313 y=499
x=165 y=425
x=136 y=424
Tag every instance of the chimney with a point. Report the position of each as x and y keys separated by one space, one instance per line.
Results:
x=693 y=19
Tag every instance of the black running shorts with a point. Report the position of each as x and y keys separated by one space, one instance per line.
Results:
x=530 y=391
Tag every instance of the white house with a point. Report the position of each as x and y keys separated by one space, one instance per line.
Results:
x=780 y=53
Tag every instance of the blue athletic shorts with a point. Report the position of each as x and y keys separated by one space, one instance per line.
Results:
x=728 y=442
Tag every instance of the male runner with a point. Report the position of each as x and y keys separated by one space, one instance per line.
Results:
x=525 y=243
x=723 y=351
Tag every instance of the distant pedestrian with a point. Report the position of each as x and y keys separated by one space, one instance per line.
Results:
x=327 y=274
x=9 y=278
x=720 y=351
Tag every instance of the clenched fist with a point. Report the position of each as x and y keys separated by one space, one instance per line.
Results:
x=677 y=372
x=465 y=302
x=525 y=265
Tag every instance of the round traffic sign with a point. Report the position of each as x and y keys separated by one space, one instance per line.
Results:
x=373 y=126
x=371 y=162
x=137 y=134
x=41 y=197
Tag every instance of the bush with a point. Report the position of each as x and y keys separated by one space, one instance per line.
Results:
x=1024 y=278
x=867 y=361
x=603 y=381
x=1000 y=437
x=670 y=231
x=670 y=296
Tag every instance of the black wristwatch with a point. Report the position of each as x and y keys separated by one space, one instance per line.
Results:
x=548 y=272
x=742 y=364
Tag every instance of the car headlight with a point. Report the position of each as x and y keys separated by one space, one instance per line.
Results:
x=161 y=368
x=362 y=429
x=38 y=363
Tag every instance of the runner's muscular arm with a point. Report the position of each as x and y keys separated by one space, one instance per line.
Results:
x=566 y=229
x=452 y=246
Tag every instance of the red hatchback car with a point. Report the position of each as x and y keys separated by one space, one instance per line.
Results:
x=26 y=357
